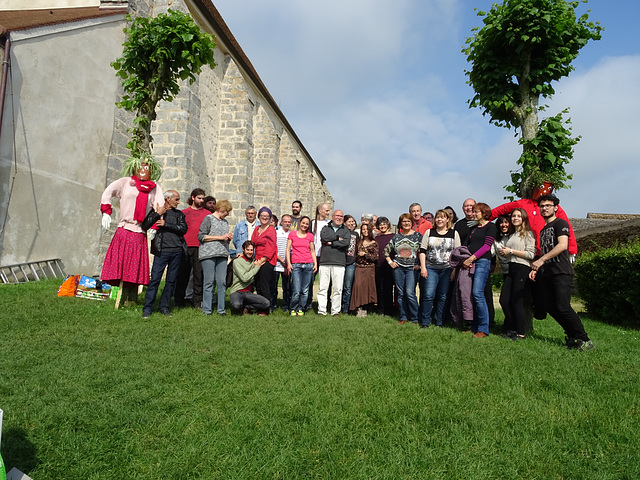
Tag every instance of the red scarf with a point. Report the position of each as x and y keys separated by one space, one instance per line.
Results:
x=144 y=188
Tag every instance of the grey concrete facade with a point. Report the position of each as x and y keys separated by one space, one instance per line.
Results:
x=224 y=133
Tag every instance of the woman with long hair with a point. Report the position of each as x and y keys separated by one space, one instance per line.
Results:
x=480 y=240
x=519 y=249
x=505 y=229
x=301 y=265
x=214 y=237
x=264 y=238
x=364 y=287
x=384 y=273
x=436 y=248
x=401 y=253
x=452 y=214
x=350 y=266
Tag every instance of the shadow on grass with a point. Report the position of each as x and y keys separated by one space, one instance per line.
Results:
x=18 y=451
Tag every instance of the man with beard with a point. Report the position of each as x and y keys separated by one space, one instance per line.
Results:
x=296 y=208
x=554 y=272
x=241 y=296
x=194 y=214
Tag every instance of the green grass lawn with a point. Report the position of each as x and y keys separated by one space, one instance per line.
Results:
x=92 y=393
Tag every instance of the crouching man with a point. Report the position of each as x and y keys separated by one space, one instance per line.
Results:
x=244 y=271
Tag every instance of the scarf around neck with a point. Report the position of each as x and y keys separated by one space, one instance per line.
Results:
x=144 y=188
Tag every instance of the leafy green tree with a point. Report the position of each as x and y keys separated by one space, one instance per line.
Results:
x=158 y=53
x=523 y=47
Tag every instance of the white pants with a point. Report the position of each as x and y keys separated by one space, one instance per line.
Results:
x=334 y=275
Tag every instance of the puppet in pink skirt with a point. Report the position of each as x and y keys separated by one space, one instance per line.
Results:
x=127 y=260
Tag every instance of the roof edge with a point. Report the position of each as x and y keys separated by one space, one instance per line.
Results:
x=210 y=12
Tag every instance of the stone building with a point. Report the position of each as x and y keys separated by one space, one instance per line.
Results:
x=63 y=140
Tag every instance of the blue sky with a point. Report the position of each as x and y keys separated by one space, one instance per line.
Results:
x=376 y=92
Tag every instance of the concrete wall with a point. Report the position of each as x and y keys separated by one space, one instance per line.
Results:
x=60 y=111
x=221 y=134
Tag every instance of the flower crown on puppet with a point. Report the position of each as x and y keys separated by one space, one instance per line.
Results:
x=133 y=164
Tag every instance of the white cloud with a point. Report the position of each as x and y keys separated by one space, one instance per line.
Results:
x=376 y=92
x=604 y=105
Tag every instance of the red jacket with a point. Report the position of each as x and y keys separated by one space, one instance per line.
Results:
x=266 y=245
x=535 y=220
x=422 y=226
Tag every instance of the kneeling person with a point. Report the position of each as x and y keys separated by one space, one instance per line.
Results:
x=244 y=271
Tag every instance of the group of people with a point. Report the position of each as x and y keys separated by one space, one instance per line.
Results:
x=371 y=267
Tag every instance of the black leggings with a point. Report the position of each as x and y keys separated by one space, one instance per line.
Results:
x=512 y=297
x=264 y=279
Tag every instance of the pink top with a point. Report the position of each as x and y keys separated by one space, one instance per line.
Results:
x=127 y=194
x=265 y=244
x=300 y=250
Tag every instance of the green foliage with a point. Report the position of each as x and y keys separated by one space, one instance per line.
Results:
x=497 y=280
x=159 y=53
x=523 y=47
x=133 y=164
x=544 y=158
x=608 y=282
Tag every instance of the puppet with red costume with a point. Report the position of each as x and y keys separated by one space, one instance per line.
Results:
x=127 y=260
x=530 y=205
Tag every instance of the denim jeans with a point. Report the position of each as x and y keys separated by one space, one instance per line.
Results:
x=435 y=286
x=286 y=290
x=190 y=265
x=240 y=300
x=214 y=268
x=406 y=279
x=347 y=284
x=301 y=276
x=171 y=261
x=480 y=309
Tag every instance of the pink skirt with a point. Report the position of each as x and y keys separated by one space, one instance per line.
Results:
x=127 y=259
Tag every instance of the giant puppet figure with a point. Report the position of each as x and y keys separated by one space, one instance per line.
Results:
x=127 y=260
x=530 y=205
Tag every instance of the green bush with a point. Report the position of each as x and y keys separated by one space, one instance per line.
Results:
x=496 y=279
x=608 y=282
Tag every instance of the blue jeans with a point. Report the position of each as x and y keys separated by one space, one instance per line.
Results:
x=286 y=291
x=406 y=279
x=435 y=286
x=171 y=261
x=480 y=309
x=214 y=268
x=347 y=283
x=301 y=276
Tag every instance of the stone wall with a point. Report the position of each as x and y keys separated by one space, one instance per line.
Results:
x=223 y=134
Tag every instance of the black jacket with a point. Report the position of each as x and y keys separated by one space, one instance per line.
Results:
x=170 y=237
x=336 y=253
